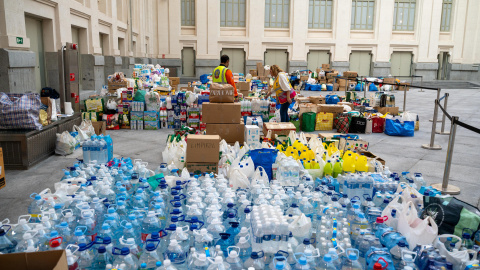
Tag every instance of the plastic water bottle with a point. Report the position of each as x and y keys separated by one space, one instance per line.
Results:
x=109 y=142
x=101 y=259
x=233 y=258
x=176 y=254
x=35 y=207
x=351 y=262
x=218 y=264
x=167 y=265
x=245 y=248
x=255 y=261
x=124 y=260
x=86 y=148
x=327 y=263
x=150 y=225
x=150 y=257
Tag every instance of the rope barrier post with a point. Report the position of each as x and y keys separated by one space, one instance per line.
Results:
x=438 y=97
x=365 y=92
x=444 y=187
x=421 y=84
x=433 y=146
x=442 y=130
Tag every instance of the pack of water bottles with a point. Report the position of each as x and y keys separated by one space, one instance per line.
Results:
x=121 y=215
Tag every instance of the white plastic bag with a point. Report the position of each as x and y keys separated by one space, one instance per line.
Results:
x=300 y=226
x=410 y=194
x=111 y=104
x=87 y=127
x=417 y=231
x=82 y=136
x=238 y=179
x=260 y=177
x=408 y=116
x=456 y=257
x=65 y=144
x=292 y=135
x=392 y=221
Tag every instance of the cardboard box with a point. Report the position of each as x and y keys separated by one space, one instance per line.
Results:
x=187 y=89
x=174 y=81
x=244 y=86
x=307 y=107
x=389 y=80
x=278 y=128
x=222 y=93
x=260 y=69
x=325 y=66
x=150 y=125
x=221 y=113
x=42 y=260
x=304 y=78
x=336 y=87
x=331 y=75
x=385 y=110
x=369 y=154
x=198 y=168
x=245 y=93
x=253 y=72
x=404 y=87
x=320 y=78
x=113 y=86
x=136 y=116
x=327 y=136
x=317 y=99
x=335 y=109
x=203 y=148
x=252 y=134
x=2 y=170
x=100 y=127
x=231 y=133
x=150 y=115
x=350 y=74
x=303 y=100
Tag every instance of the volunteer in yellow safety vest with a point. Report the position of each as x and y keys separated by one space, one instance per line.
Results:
x=222 y=74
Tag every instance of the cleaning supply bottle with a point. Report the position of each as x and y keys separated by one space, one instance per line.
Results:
x=349 y=163
x=361 y=165
x=337 y=168
x=328 y=169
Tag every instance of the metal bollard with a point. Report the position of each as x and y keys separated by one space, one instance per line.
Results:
x=442 y=130
x=438 y=97
x=444 y=187
x=421 y=84
x=433 y=146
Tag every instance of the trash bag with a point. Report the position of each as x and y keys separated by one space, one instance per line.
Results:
x=308 y=121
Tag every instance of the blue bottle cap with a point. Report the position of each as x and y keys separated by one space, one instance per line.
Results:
x=102 y=249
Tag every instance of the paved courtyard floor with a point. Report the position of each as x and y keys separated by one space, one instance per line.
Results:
x=400 y=153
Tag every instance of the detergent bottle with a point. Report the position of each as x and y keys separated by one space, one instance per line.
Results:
x=337 y=168
x=349 y=163
x=361 y=165
x=328 y=169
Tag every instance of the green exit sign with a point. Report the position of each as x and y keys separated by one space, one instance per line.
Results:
x=19 y=40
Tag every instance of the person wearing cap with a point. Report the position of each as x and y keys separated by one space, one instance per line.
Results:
x=222 y=74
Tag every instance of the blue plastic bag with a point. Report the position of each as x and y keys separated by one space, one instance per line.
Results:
x=372 y=87
x=265 y=158
x=359 y=87
x=204 y=78
x=308 y=87
x=397 y=128
x=332 y=99
x=329 y=87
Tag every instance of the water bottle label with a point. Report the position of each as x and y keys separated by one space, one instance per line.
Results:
x=93 y=236
x=144 y=237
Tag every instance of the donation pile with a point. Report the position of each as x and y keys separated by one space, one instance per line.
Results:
x=121 y=215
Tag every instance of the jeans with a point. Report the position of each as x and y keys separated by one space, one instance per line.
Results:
x=284 y=112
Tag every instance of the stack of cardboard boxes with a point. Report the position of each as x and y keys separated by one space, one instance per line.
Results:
x=222 y=117
x=203 y=153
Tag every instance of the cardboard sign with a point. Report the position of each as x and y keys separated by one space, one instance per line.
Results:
x=42 y=260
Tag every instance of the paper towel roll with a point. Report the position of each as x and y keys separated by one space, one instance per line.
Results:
x=68 y=108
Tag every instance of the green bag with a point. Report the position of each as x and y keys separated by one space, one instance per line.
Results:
x=451 y=215
x=296 y=123
x=154 y=181
x=308 y=121
x=139 y=95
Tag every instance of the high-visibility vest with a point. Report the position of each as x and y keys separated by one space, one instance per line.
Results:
x=219 y=74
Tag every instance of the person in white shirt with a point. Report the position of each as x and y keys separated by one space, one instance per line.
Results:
x=283 y=91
